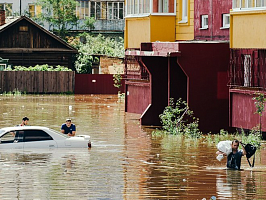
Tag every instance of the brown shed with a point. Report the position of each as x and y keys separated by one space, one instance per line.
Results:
x=26 y=43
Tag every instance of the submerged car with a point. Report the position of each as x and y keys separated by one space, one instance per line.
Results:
x=21 y=137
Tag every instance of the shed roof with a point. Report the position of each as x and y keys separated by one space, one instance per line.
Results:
x=12 y=21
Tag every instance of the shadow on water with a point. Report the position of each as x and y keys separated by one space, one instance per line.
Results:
x=125 y=161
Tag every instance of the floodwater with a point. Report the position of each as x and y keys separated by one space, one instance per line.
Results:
x=125 y=161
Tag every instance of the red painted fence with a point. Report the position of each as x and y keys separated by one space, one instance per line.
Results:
x=96 y=84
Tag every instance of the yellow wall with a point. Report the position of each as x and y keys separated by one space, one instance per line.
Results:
x=162 y=28
x=248 y=29
x=149 y=29
x=185 y=31
x=137 y=30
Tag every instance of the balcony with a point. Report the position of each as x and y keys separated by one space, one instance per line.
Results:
x=247 y=24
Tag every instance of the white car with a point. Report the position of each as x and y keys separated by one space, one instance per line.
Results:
x=21 y=137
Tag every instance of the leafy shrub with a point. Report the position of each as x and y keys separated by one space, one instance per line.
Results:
x=175 y=119
x=38 y=68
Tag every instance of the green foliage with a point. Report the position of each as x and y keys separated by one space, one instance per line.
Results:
x=15 y=92
x=252 y=137
x=38 y=68
x=175 y=119
x=59 y=14
x=89 y=23
x=98 y=45
x=259 y=103
x=117 y=78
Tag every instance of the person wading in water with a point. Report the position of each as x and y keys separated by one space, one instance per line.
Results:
x=234 y=158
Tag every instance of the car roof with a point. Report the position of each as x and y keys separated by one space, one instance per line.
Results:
x=25 y=128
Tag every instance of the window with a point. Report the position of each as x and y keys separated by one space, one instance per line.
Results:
x=226 y=20
x=140 y=7
x=8 y=137
x=184 y=10
x=204 y=22
x=7 y=7
x=36 y=135
x=247 y=70
x=237 y=4
x=23 y=28
x=115 y=10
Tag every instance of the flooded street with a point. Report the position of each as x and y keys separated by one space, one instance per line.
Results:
x=125 y=161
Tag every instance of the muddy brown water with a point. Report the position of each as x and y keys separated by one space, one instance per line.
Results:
x=125 y=161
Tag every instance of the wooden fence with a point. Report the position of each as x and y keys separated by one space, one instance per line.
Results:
x=37 y=82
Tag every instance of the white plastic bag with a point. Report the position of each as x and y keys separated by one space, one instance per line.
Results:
x=220 y=157
x=225 y=147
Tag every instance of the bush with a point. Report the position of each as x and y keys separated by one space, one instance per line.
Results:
x=178 y=119
x=38 y=68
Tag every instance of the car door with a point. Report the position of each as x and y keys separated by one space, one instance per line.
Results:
x=10 y=141
x=38 y=139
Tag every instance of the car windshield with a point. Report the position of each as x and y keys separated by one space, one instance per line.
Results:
x=57 y=132
x=2 y=131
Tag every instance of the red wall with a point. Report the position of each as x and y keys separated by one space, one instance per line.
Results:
x=206 y=66
x=96 y=84
x=214 y=9
x=243 y=109
x=138 y=97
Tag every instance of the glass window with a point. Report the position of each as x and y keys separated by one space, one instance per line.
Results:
x=32 y=10
x=104 y=10
x=7 y=7
x=226 y=20
x=247 y=70
x=184 y=10
x=204 y=21
x=82 y=10
x=115 y=11
x=98 y=10
x=110 y=10
x=92 y=10
x=8 y=137
x=121 y=10
x=86 y=11
x=36 y=135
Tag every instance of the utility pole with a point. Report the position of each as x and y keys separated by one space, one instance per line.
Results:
x=20 y=7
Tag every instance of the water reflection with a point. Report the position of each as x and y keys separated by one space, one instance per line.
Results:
x=125 y=161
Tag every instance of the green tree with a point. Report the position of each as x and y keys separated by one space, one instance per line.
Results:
x=59 y=14
x=259 y=104
x=98 y=45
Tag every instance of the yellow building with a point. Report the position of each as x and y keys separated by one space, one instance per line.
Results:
x=158 y=20
x=247 y=24
x=247 y=62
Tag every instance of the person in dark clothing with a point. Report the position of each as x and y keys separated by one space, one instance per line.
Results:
x=234 y=158
x=24 y=122
x=68 y=128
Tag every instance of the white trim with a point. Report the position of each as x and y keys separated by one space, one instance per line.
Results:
x=226 y=17
x=184 y=10
x=204 y=22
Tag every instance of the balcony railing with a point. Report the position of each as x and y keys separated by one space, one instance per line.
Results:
x=249 y=4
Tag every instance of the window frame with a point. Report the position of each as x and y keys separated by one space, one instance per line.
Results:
x=203 y=25
x=143 y=8
x=225 y=25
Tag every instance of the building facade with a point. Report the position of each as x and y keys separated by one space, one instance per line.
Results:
x=109 y=15
x=170 y=55
x=247 y=62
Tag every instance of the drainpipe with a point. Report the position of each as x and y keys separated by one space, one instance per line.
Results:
x=168 y=62
x=211 y=21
